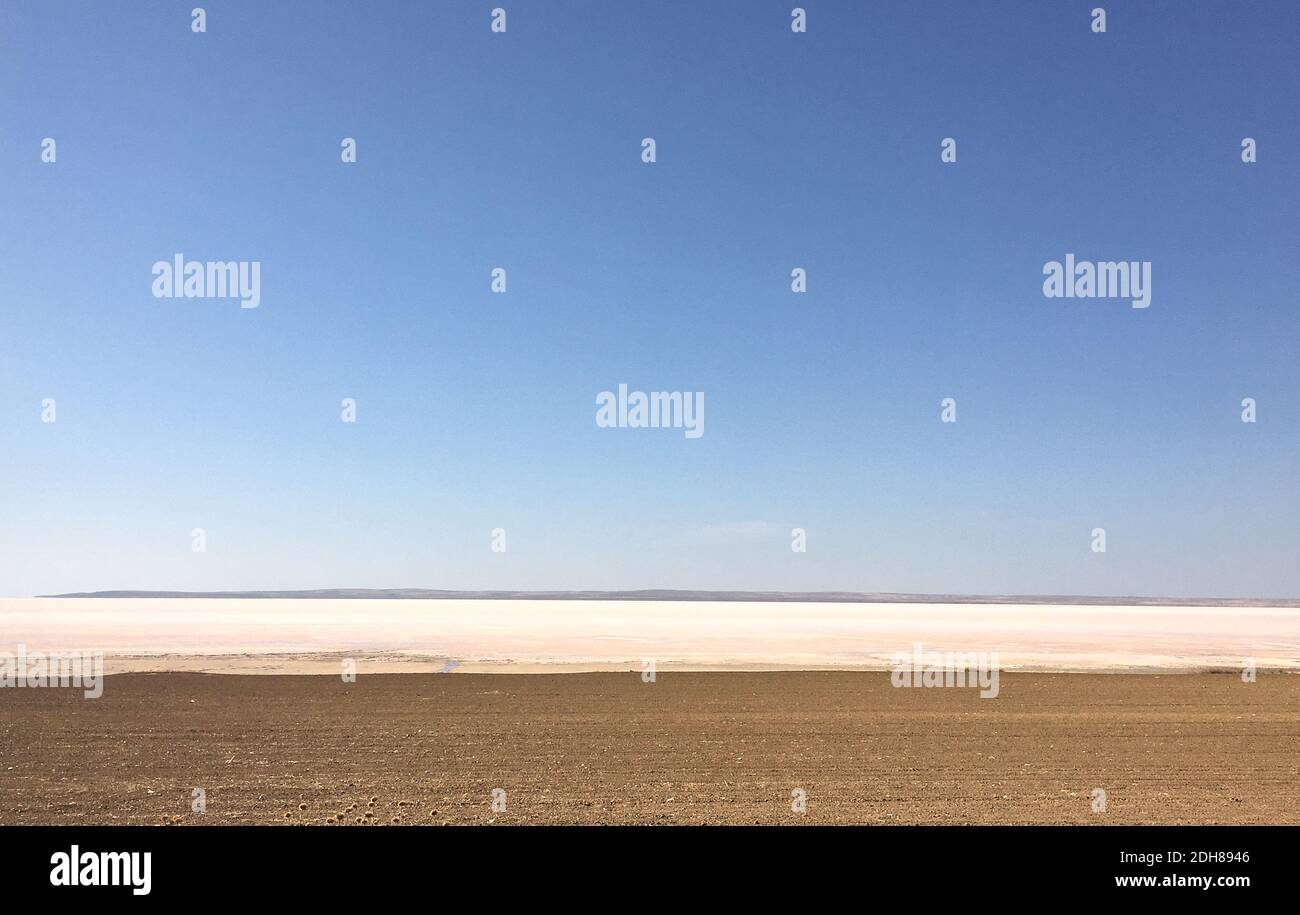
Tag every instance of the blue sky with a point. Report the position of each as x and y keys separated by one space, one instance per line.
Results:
x=775 y=150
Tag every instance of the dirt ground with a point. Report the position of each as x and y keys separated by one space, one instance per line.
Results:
x=689 y=748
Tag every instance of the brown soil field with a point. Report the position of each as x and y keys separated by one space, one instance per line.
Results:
x=691 y=748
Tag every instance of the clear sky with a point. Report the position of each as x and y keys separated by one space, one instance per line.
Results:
x=775 y=150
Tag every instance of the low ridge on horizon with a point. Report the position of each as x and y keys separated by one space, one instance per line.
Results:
x=666 y=594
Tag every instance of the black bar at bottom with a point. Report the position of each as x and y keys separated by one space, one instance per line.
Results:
x=332 y=864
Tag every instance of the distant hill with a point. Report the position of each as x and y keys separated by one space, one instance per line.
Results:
x=870 y=597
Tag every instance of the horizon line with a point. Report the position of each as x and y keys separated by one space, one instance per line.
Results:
x=668 y=594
